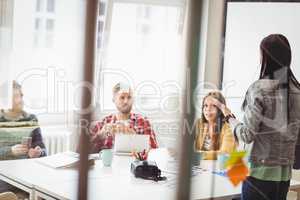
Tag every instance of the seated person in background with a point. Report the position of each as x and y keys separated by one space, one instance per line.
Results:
x=102 y=134
x=213 y=134
x=16 y=124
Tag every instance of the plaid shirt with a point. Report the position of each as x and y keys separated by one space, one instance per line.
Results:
x=137 y=122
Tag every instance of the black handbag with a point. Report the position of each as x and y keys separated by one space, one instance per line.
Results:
x=146 y=170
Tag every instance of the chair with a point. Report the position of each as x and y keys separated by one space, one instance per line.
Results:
x=8 y=196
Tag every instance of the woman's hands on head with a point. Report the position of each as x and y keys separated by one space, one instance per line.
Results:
x=225 y=110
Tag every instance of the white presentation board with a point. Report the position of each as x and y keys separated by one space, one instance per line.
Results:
x=247 y=23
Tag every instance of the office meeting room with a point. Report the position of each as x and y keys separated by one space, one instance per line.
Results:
x=149 y=99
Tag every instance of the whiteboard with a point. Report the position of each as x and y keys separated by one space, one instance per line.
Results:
x=246 y=25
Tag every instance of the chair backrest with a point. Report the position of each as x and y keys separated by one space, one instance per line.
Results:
x=8 y=196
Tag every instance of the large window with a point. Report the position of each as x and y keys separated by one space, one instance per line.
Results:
x=42 y=45
x=44 y=28
x=6 y=30
x=6 y=20
x=142 y=47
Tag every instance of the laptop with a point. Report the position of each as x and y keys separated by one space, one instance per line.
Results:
x=125 y=144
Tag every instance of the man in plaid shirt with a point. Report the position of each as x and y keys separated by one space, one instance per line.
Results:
x=102 y=134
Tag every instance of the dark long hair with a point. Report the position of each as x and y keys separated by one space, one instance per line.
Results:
x=276 y=57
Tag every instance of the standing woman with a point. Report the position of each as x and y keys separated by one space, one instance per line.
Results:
x=271 y=114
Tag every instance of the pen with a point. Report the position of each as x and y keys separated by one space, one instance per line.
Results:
x=140 y=157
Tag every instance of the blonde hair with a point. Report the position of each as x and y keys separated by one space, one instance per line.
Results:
x=120 y=86
x=16 y=85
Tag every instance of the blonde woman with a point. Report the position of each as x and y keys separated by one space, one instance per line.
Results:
x=213 y=134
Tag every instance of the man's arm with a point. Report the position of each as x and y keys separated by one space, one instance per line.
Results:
x=98 y=138
x=149 y=131
x=5 y=151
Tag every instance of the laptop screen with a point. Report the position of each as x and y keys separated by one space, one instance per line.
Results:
x=133 y=142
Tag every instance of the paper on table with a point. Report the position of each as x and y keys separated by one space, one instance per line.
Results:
x=62 y=160
x=76 y=155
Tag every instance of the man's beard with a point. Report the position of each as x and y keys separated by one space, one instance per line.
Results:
x=18 y=107
x=125 y=109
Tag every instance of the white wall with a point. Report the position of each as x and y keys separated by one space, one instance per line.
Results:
x=247 y=24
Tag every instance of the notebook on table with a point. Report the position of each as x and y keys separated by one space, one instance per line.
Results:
x=65 y=160
x=125 y=144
